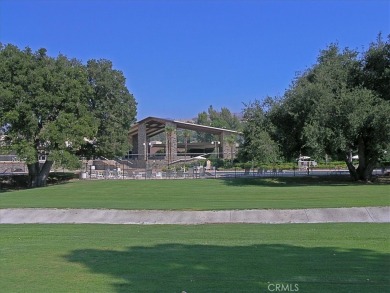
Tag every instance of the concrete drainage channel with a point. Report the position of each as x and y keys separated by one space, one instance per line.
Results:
x=151 y=217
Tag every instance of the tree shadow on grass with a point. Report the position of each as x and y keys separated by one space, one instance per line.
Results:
x=256 y=268
x=293 y=181
x=20 y=182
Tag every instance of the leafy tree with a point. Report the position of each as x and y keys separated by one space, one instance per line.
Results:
x=222 y=119
x=43 y=106
x=258 y=146
x=46 y=106
x=112 y=106
x=339 y=107
x=203 y=119
x=288 y=115
x=228 y=120
x=375 y=73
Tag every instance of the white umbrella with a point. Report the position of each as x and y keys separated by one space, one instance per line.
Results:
x=200 y=158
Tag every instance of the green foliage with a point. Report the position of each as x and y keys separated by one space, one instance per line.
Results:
x=223 y=119
x=64 y=158
x=217 y=162
x=258 y=145
x=61 y=177
x=52 y=105
x=347 y=117
x=376 y=68
x=338 y=107
x=44 y=102
x=112 y=106
x=203 y=120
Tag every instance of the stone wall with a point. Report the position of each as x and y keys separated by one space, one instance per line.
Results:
x=173 y=141
x=11 y=167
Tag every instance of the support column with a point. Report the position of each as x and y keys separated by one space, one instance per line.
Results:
x=173 y=139
x=134 y=143
x=228 y=150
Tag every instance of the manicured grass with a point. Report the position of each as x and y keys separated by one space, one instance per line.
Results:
x=209 y=258
x=268 y=193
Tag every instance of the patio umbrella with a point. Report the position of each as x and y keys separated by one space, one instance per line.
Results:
x=200 y=158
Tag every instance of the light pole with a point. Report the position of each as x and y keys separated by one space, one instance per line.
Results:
x=145 y=151
x=146 y=145
x=216 y=146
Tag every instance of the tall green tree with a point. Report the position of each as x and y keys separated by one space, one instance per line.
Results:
x=258 y=145
x=113 y=107
x=46 y=106
x=339 y=107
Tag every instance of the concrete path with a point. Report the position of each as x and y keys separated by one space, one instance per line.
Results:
x=100 y=216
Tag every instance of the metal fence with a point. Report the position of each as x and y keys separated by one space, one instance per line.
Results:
x=201 y=172
x=125 y=169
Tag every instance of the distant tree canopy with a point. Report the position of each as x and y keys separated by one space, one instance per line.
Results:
x=338 y=107
x=56 y=105
x=222 y=119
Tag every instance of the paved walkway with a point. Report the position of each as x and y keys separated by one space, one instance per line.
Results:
x=101 y=216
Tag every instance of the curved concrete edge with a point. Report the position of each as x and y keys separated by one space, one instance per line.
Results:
x=150 y=217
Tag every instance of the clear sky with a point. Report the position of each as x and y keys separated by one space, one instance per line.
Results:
x=179 y=57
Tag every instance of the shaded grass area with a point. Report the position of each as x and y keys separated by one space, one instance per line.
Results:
x=208 y=258
x=263 y=193
x=20 y=181
x=337 y=180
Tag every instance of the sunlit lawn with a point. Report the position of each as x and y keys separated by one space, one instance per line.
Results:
x=196 y=194
x=207 y=258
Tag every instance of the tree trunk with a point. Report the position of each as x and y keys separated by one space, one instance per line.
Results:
x=38 y=174
x=366 y=166
x=365 y=173
x=360 y=173
x=352 y=170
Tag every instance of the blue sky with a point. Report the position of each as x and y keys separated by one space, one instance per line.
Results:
x=179 y=57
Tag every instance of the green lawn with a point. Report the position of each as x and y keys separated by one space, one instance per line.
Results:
x=207 y=258
x=271 y=193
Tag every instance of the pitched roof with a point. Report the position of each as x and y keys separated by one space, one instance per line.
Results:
x=156 y=125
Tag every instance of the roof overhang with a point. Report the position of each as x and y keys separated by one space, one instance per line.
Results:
x=156 y=125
